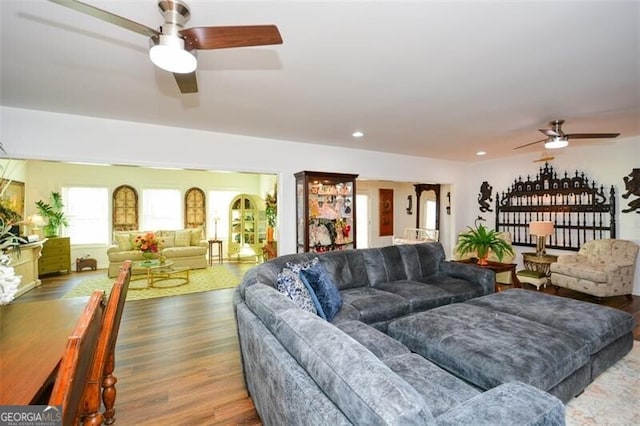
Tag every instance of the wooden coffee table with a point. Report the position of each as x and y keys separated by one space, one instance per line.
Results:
x=497 y=267
x=155 y=272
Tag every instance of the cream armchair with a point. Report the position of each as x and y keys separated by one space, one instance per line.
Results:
x=601 y=268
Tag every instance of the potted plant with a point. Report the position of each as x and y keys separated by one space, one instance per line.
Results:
x=481 y=241
x=271 y=212
x=53 y=213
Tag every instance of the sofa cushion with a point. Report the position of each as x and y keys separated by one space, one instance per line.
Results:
x=588 y=271
x=124 y=242
x=421 y=260
x=377 y=342
x=459 y=288
x=375 y=305
x=183 y=238
x=121 y=256
x=177 y=252
x=292 y=286
x=440 y=389
x=421 y=296
x=384 y=264
x=367 y=392
x=318 y=281
x=347 y=267
x=196 y=236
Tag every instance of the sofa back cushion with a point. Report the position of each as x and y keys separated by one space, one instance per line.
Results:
x=422 y=260
x=610 y=251
x=363 y=387
x=347 y=268
x=384 y=265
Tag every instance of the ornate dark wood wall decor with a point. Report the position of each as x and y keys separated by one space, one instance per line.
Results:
x=420 y=188
x=632 y=185
x=579 y=210
x=484 y=198
x=125 y=208
x=194 y=208
x=386 y=211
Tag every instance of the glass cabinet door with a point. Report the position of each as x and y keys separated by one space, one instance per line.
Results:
x=325 y=210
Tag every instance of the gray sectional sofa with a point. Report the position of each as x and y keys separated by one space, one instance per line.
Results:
x=302 y=369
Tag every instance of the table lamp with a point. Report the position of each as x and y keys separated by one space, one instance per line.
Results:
x=542 y=229
x=35 y=221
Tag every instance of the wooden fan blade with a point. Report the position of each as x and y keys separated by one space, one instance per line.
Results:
x=238 y=36
x=529 y=144
x=187 y=83
x=109 y=17
x=592 y=135
x=549 y=132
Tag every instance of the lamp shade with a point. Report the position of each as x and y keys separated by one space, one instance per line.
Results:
x=35 y=220
x=541 y=228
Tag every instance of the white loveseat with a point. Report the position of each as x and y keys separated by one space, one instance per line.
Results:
x=601 y=268
x=185 y=247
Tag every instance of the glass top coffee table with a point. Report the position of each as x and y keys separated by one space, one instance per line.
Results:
x=154 y=272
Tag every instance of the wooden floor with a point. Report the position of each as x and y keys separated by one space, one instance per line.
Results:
x=177 y=358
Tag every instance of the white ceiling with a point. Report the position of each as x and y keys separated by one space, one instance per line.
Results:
x=426 y=78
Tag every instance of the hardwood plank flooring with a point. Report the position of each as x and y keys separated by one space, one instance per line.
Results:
x=178 y=361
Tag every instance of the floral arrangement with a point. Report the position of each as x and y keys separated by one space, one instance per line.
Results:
x=147 y=243
x=9 y=281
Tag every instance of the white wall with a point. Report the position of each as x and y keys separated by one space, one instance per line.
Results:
x=606 y=163
x=30 y=134
x=33 y=134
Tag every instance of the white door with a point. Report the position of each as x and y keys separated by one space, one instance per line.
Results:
x=362 y=221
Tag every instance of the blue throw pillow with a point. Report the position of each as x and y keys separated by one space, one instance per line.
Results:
x=319 y=282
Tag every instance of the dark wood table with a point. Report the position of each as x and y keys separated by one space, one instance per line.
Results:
x=497 y=267
x=218 y=255
x=33 y=336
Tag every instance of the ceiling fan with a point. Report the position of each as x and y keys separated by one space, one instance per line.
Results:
x=556 y=138
x=173 y=47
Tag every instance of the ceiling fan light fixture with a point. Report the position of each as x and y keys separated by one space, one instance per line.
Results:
x=556 y=143
x=170 y=55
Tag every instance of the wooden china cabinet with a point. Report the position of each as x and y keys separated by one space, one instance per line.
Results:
x=325 y=211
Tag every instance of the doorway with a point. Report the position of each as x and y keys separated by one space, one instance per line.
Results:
x=362 y=220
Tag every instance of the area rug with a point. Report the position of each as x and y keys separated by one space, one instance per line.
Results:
x=211 y=278
x=614 y=396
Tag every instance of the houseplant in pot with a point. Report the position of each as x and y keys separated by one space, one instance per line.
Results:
x=53 y=213
x=482 y=241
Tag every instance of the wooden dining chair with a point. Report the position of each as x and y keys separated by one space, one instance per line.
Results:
x=104 y=363
x=78 y=360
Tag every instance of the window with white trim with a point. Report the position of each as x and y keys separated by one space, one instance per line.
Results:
x=87 y=211
x=161 y=209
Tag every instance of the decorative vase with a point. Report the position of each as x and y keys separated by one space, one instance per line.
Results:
x=482 y=257
x=51 y=231
x=148 y=256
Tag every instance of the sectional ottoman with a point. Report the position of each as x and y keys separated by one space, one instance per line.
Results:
x=555 y=344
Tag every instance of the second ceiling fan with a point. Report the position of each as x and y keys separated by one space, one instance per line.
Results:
x=556 y=138
x=173 y=47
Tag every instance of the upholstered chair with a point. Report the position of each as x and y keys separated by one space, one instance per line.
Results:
x=502 y=277
x=601 y=268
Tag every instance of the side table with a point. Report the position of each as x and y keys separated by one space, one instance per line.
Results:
x=497 y=267
x=218 y=255
x=536 y=269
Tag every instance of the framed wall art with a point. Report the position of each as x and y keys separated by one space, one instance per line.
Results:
x=12 y=195
x=386 y=211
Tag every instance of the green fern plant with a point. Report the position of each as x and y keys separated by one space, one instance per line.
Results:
x=54 y=213
x=482 y=240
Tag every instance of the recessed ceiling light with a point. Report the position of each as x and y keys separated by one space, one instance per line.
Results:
x=481 y=153
x=357 y=134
